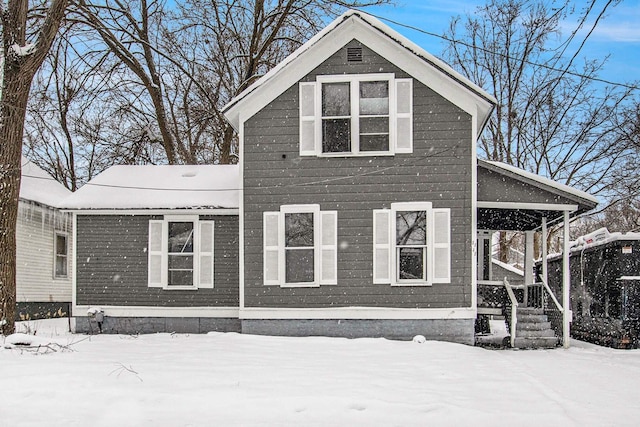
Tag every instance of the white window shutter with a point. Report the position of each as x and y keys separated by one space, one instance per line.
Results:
x=382 y=246
x=404 y=116
x=271 y=248
x=205 y=255
x=329 y=248
x=308 y=119
x=156 y=270
x=441 y=246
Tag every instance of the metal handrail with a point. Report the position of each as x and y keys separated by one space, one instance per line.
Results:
x=514 y=310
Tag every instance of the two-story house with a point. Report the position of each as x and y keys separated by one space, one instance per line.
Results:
x=360 y=199
x=358 y=162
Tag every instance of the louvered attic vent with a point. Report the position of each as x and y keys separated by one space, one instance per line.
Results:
x=354 y=54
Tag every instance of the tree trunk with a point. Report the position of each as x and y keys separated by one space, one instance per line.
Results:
x=14 y=102
x=21 y=62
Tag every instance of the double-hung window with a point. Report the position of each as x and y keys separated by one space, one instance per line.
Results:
x=356 y=115
x=60 y=256
x=300 y=246
x=411 y=244
x=181 y=252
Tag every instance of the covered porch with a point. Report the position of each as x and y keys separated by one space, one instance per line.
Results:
x=510 y=199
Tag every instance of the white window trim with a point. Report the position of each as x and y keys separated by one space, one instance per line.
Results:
x=318 y=246
x=311 y=115
x=288 y=209
x=393 y=279
x=355 y=80
x=195 y=219
x=412 y=206
x=57 y=233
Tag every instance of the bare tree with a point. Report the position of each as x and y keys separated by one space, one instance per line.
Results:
x=192 y=58
x=82 y=114
x=553 y=116
x=27 y=36
x=243 y=39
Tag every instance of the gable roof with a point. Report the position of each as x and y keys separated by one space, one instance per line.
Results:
x=160 y=187
x=38 y=186
x=386 y=42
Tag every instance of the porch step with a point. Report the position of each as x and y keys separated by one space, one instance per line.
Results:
x=530 y=310
x=535 y=333
x=536 y=342
x=533 y=329
x=532 y=325
x=532 y=318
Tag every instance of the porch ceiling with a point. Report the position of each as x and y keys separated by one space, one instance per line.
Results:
x=514 y=219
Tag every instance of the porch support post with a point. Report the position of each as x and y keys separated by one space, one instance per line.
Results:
x=566 y=283
x=544 y=249
x=528 y=264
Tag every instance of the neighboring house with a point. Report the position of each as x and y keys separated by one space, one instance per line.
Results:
x=359 y=207
x=157 y=249
x=605 y=287
x=43 y=245
x=502 y=270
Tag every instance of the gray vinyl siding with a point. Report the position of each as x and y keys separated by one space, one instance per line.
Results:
x=497 y=187
x=112 y=262
x=439 y=171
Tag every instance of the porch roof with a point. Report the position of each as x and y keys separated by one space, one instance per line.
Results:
x=513 y=199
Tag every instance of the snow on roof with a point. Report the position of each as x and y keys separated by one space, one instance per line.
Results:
x=160 y=187
x=508 y=267
x=596 y=238
x=542 y=180
x=600 y=237
x=401 y=41
x=38 y=186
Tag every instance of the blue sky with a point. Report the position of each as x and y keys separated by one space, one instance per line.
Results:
x=618 y=35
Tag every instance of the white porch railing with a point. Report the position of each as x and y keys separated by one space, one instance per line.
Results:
x=510 y=307
x=514 y=312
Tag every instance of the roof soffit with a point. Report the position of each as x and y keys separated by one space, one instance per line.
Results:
x=385 y=42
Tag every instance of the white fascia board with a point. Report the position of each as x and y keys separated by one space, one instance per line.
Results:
x=366 y=313
x=140 y=311
x=528 y=206
x=134 y=212
x=382 y=40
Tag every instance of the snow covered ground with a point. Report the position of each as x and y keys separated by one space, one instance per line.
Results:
x=231 y=379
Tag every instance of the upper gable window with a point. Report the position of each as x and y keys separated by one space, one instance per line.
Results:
x=356 y=115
